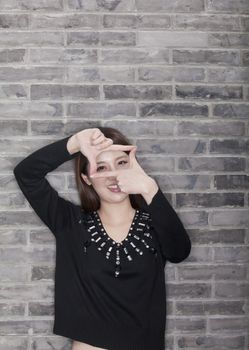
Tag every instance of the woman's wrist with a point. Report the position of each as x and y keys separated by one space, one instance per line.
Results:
x=73 y=145
x=151 y=189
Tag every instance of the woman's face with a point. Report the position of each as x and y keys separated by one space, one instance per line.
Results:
x=108 y=161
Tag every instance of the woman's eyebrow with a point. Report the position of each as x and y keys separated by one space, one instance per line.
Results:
x=115 y=158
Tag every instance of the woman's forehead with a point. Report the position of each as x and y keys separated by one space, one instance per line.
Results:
x=108 y=156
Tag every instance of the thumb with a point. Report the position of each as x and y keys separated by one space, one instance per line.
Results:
x=92 y=165
x=132 y=155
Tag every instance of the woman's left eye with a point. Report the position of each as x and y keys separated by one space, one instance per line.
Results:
x=124 y=161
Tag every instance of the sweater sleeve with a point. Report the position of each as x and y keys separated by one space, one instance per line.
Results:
x=30 y=174
x=172 y=236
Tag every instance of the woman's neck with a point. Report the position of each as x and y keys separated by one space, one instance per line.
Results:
x=116 y=213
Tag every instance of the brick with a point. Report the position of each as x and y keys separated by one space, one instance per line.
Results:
x=188 y=290
x=79 y=38
x=245 y=56
x=65 y=21
x=190 y=325
x=161 y=74
x=100 y=109
x=209 y=92
x=11 y=310
x=229 y=324
x=187 y=182
x=24 y=326
x=236 y=128
x=13 y=55
x=56 y=342
x=169 y=342
x=207 y=200
x=228 y=6
x=244 y=23
x=13 y=92
x=30 y=110
x=231 y=182
x=41 y=236
x=54 y=127
x=229 y=146
x=19 y=128
x=200 y=254
x=228 y=40
x=206 y=22
x=105 y=74
x=213 y=342
x=170 y=274
x=231 y=290
x=120 y=21
x=16 y=74
x=9 y=21
x=90 y=5
x=228 y=75
x=19 y=273
x=204 y=272
x=26 y=292
x=61 y=92
x=232 y=254
x=13 y=342
x=13 y=236
x=13 y=200
x=40 y=309
x=211 y=271
x=206 y=56
x=136 y=21
x=42 y=273
x=27 y=254
x=48 y=5
x=198 y=164
x=31 y=39
x=63 y=55
x=176 y=109
x=205 y=308
x=172 y=147
x=171 y=39
x=230 y=110
x=117 y=38
x=134 y=56
x=168 y=6
x=152 y=92
x=212 y=236
x=233 y=218
x=165 y=128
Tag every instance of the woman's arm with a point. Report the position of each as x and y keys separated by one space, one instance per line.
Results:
x=172 y=236
x=30 y=174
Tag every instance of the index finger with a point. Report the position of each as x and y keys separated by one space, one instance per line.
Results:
x=106 y=173
x=117 y=147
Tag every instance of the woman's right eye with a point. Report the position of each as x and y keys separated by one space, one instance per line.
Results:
x=100 y=167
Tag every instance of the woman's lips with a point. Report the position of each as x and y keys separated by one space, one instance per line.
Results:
x=114 y=188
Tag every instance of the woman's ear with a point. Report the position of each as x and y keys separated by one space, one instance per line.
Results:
x=85 y=178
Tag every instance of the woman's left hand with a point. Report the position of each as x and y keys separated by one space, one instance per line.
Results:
x=132 y=180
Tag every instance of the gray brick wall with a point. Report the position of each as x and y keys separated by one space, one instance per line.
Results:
x=173 y=75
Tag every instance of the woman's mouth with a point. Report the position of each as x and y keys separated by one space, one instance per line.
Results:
x=114 y=188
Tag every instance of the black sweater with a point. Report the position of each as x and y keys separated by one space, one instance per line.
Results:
x=107 y=294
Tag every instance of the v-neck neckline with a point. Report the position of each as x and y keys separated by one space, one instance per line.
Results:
x=107 y=234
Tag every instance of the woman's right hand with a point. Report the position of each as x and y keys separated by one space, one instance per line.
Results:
x=91 y=142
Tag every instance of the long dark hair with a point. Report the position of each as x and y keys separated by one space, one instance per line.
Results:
x=89 y=198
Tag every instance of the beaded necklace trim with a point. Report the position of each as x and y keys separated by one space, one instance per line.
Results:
x=138 y=232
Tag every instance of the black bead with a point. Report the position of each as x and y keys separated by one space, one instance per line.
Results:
x=87 y=243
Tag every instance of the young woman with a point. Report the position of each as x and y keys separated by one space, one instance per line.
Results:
x=111 y=249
